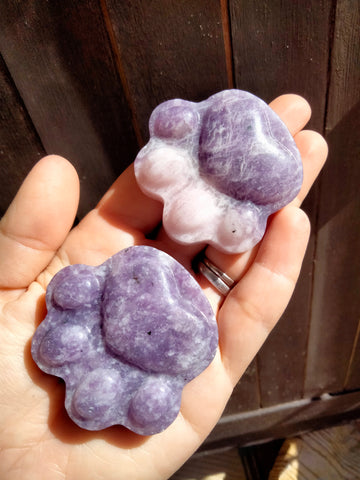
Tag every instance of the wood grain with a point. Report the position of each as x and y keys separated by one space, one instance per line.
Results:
x=352 y=379
x=169 y=49
x=246 y=394
x=336 y=301
x=282 y=359
x=81 y=78
x=281 y=47
x=20 y=146
x=226 y=464
x=284 y=420
x=59 y=56
x=329 y=453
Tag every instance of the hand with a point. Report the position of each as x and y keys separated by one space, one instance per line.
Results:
x=37 y=438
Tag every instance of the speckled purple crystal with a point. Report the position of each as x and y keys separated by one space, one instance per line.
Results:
x=126 y=336
x=221 y=167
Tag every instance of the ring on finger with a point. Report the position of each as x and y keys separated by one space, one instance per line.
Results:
x=218 y=279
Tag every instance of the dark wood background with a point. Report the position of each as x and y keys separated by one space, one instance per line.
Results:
x=80 y=79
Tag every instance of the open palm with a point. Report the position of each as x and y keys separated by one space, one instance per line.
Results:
x=37 y=439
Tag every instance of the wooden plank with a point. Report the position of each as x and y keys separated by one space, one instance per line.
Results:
x=345 y=65
x=336 y=301
x=20 y=146
x=282 y=358
x=352 y=380
x=169 y=49
x=285 y=420
x=246 y=395
x=219 y=465
x=60 y=58
x=327 y=453
x=176 y=49
x=282 y=47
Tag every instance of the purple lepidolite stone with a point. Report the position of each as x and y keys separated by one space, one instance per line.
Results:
x=126 y=336
x=221 y=167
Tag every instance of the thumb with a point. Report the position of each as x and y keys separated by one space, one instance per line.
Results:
x=37 y=221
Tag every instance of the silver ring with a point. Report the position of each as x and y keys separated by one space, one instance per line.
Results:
x=218 y=279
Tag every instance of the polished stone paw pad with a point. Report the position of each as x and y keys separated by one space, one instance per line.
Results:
x=220 y=166
x=126 y=336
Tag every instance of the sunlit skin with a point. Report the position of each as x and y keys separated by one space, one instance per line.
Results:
x=37 y=439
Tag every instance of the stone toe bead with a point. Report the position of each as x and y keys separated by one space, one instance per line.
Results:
x=164 y=168
x=64 y=344
x=151 y=401
x=176 y=121
x=75 y=288
x=96 y=394
x=192 y=214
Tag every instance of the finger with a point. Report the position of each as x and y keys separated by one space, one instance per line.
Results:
x=123 y=217
x=256 y=303
x=37 y=221
x=314 y=150
x=125 y=203
x=293 y=110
